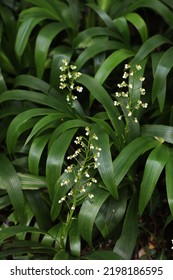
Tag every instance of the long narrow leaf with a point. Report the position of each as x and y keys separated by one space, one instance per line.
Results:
x=19 y=125
x=140 y=25
x=105 y=160
x=162 y=132
x=111 y=62
x=102 y=96
x=35 y=152
x=44 y=39
x=127 y=241
x=11 y=181
x=169 y=181
x=129 y=155
x=88 y=213
x=153 y=168
x=149 y=45
x=160 y=77
x=55 y=159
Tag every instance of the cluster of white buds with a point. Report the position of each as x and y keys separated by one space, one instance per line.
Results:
x=67 y=80
x=86 y=157
x=125 y=96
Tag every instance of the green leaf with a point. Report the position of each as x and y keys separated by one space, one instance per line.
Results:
x=158 y=131
x=125 y=245
x=88 y=213
x=2 y=83
x=111 y=213
x=102 y=255
x=157 y=6
x=31 y=182
x=169 y=181
x=153 y=168
x=60 y=192
x=106 y=167
x=55 y=159
x=61 y=255
x=130 y=154
x=13 y=230
x=24 y=32
x=11 y=181
x=32 y=82
x=45 y=123
x=56 y=102
x=110 y=63
x=93 y=50
x=164 y=66
x=21 y=123
x=149 y=45
x=75 y=123
x=103 y=97
x=85 y=38
x=40 y=209
x=140 y=25
x=35 y=153
x=43 y=41
x=74 y=239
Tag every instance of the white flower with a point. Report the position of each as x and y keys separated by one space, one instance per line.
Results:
x=125 y=75
x=127 y=66
x=87 y=174
x=116 y=103
x=138 y=67
x=64 y=61
x=79 y=89
x=87 y=131
x=94 y=137
x=94 y=180
x=129 y=114
x=73 y=67
x=142 y=79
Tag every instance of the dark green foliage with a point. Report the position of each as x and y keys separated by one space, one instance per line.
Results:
x=113 y=218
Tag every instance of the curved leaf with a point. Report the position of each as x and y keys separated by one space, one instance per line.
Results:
x=125 y=244
x=130 y=154
x=93 y=50
x=36 y=97
x=24 y=33
x=11 y=181
x=103 y=97
x=153 y=168
x=110 y=63
x=19 y=125
x=74 y=239
x=163 y=68
x=149 y=45
x=13 y=230
x=162 y=132
x=105 y=160
x=140 y=25
x=169 y=182
x=88 y=213
x=45 y=123
x=43 y=41
x=35 y=153
x=55 y=159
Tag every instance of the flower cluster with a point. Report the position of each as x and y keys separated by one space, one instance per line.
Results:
x=126 y=96
x=86 y=160
x=67 y=80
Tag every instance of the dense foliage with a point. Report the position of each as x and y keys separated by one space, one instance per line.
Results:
x=86 y=117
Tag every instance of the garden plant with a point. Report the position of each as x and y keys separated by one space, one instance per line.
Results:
x=86 y=121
